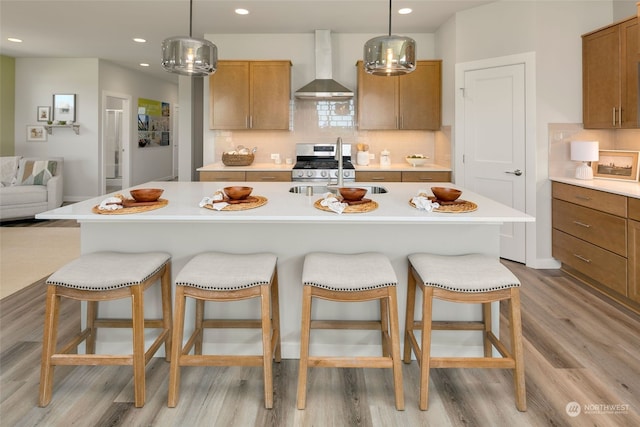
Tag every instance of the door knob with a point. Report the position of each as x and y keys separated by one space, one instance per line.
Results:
x=516 y=172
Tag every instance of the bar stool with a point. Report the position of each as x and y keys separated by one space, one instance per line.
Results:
x=351 y=278
x=471 y=279
x=216 y=276
x=105 y=276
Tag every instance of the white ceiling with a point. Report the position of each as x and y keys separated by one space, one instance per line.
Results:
x=105 y=28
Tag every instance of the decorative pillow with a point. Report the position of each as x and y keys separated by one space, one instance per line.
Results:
x=36 y=172
x=9 y=169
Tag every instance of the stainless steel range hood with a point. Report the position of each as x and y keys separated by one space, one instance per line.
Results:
x=323 y=87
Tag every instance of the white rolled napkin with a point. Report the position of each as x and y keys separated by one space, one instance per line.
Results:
x=216 y=201
x=422 y=202
x=110 y=204
x=330 y=201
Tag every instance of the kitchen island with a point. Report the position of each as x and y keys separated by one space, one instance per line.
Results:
x=290 y=226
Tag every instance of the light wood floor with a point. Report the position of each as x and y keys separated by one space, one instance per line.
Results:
x=578 y=348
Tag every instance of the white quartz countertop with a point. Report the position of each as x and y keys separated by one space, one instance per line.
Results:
x=624 y=188
x=373 y=167
x=286 y=207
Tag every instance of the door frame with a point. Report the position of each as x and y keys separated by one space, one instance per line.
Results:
x=126 y=140
x=529 y=61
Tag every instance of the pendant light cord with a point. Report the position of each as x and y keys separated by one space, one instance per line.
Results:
x=191 y=17
x=389 y=18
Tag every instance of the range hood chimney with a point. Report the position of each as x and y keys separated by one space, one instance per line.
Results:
x=323 y=87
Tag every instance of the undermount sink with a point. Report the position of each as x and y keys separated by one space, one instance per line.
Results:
x=322 y=189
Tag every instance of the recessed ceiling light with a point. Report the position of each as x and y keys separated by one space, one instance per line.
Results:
x=405 y=11
x=15 y=40
x=139 y=40
x=144 y=64
x=242 y=11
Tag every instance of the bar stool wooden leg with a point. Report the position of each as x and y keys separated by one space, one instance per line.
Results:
x=199 y=328
x=51 y=317
x=167 y=306
x=515 y=323
x=275 y=318
x=487 y=321
x=384 y=327
x=425 y=353
x=176 y=351
x=92 y=315
x=267 y=357
x=304 y=347
x=395 y=347
x=409 y=315
x=137 y=305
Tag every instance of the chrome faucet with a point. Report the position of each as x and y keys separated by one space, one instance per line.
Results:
x=340 y=162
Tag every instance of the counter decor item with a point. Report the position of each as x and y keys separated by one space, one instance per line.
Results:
x=120 y=205
x=330 y=203
x=616 y=164
x=236 y=159
x=445 y=201
x=385 y=158
x=146 y=194
x=362 y=157
x=416 y=159
x=584 y=151
x=445 y=194
x=234 y=198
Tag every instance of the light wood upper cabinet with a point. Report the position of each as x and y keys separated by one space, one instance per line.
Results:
x=250 y=95
x=610 y=76
x=409 y=102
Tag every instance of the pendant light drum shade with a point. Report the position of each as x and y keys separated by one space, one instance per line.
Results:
x=189 y=56
x=390 y=55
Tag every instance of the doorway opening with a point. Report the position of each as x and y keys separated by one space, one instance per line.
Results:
x=115 y=152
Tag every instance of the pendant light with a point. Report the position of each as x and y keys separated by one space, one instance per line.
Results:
x=390 y=55
x=189 y=56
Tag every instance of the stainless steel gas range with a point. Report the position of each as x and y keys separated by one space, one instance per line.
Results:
x=317 y=162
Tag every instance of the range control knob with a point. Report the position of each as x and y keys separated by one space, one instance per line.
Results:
x=309 y=174
x=324 y=174
x=299 y=174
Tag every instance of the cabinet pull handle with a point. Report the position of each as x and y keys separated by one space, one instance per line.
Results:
x=614 y=116
x=583 y=197
x=377 y=178
x=267 y=178
x=582 y=224
x=587 y=260
x=425 y=178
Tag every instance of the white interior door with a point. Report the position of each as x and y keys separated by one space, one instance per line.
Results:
x=493 y=137
x=115 y=142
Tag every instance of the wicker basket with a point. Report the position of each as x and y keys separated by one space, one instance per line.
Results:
x=237 y=159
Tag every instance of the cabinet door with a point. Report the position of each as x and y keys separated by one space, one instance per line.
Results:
x=439 y=176
x=229 y=96
x=268 y=176
x=270 y=94
x=222 y=176
x=420 y=97
x=601 y=78
x=377 y=101
x=633 y=260
x=378 y=176
x=630 y=60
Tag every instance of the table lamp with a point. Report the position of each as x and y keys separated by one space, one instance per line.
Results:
x=584 y=151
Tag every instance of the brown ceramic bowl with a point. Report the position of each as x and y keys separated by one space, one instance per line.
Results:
x=446 y=194
x=146 y=194
x=352 y=193
x=237 y=192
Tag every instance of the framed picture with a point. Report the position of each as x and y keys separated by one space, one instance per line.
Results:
x=616 y=164
x=64 y=107
x=44 y=114
x=36 y=133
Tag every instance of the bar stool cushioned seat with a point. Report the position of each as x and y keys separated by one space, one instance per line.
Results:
x=217 y=276
x=471 y=278
x=103 y=276
x=351 y=278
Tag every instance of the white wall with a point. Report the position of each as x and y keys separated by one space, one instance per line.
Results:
x=37 y=79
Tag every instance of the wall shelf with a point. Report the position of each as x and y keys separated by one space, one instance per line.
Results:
x=75 y=127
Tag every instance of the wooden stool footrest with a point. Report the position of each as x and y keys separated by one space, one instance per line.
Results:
x=126 y=323
x=350 y=362
x=90 y=359
x=219 y=360
x=233 y=323
x=471 y=362
x=346 y=324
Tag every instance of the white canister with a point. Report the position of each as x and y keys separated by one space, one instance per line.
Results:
x=385 y=158
x=362 y=158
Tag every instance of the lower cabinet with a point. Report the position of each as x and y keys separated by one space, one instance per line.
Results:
x=440 y=176
x=403 y=176
x=382 y=176
x=596 y=236
x=250 y=176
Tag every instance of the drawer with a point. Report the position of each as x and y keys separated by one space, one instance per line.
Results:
x=607 y=202
x=602 y=229
x=382 y=176
x=599 y=264
x=440 y=176
x=634 y=208
x=222 y=176
x=268 y=176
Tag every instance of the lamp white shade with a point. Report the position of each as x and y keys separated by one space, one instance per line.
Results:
x=584 y=151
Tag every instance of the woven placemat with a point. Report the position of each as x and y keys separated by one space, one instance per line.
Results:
x=260 y=200
x=364 y=207
x=459 y=206
x=133 y=209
